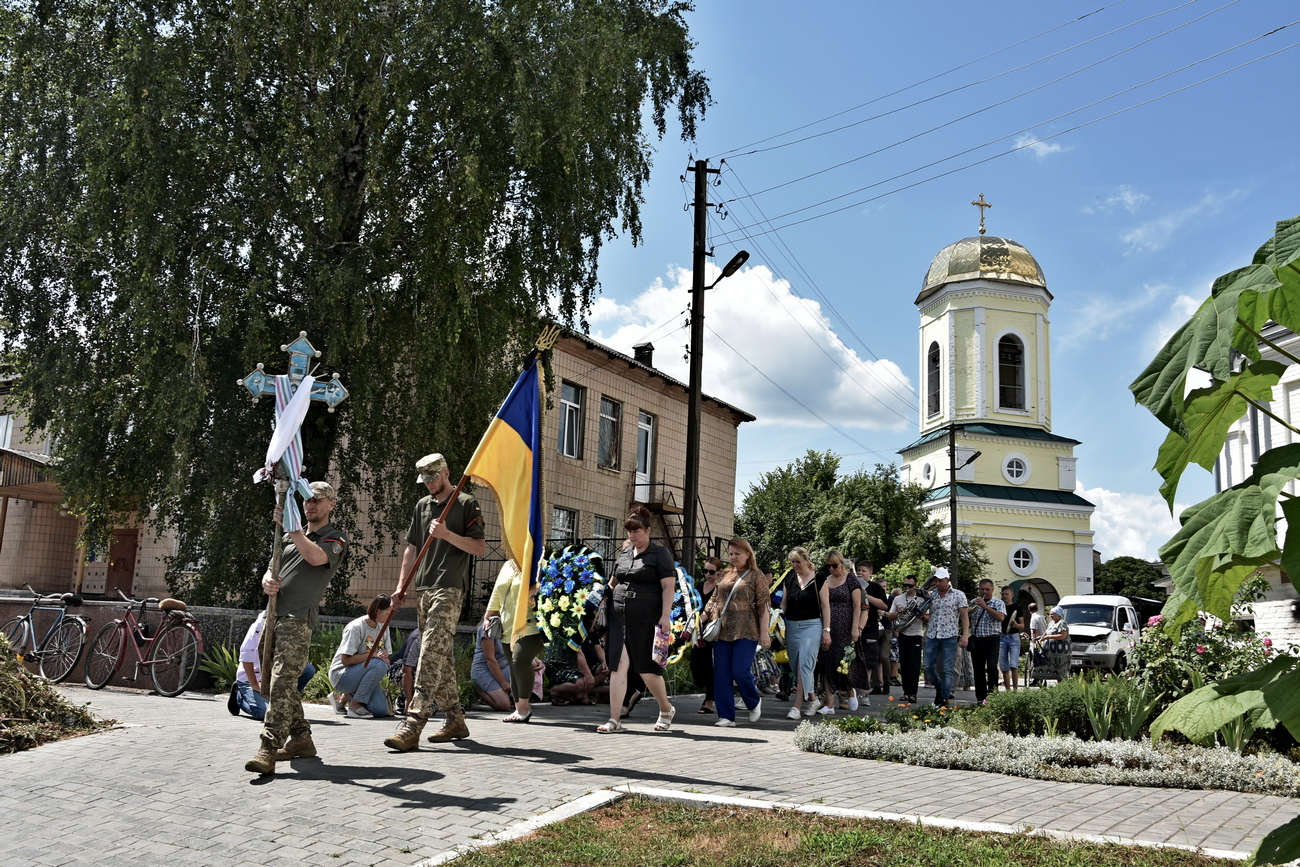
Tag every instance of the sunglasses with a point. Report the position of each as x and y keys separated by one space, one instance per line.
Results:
x=909 y=586
x=710 y=571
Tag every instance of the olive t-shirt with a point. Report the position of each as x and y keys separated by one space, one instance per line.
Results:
x=445 y=566
x=302 y=585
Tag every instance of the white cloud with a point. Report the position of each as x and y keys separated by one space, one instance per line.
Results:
x=786 y=337
x=1123 y=197
x=1133 y=525
x=1179 y=312
x=1038 y=148
x=1101 y=315
x=1155 y=234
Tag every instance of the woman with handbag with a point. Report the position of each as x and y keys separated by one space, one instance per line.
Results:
x=643 y=582
x=736 y=621
x=702 y=651
x=807 y=611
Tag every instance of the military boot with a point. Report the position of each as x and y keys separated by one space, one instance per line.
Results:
x=451 y=731
x=407 y=737
x=297 y=748
x=262 y=763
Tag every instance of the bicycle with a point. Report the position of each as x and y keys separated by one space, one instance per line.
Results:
x=171 y=654
x=61 y=646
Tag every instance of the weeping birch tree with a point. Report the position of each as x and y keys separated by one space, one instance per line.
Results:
x=186 y=185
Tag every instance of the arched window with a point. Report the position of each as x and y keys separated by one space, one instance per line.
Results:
x=1011 y=373
x=932 y=380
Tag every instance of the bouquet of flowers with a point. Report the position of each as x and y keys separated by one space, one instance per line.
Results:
x=846 y=661
x=685 y=614
x=567 y=580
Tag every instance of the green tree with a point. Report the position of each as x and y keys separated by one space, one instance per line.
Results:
x=186 y=184
x=779 y=511
x=872 y=514
x=1128 y=576
x=1224 y=539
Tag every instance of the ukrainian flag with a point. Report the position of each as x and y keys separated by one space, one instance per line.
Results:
x=506 y=460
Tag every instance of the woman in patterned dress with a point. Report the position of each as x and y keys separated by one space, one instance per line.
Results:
x=845 y=601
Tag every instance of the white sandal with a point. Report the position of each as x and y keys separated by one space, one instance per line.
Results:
x=665 y=719
x=609 y=728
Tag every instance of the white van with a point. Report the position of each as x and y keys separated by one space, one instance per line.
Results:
x=1101 y=628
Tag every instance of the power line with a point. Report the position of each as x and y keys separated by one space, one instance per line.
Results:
x=796 y=400
x=907 y=400
x=921 y=82
x=970 y=84
x=1004 y=153
x=999 y=103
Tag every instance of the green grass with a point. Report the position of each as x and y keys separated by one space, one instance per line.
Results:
x=638 y=832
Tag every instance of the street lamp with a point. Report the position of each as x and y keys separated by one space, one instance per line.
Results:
x=952 y=496
x=695 y=398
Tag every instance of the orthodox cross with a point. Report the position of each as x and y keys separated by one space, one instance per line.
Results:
x=286 y=453
x=979 y=203
x=330 y=392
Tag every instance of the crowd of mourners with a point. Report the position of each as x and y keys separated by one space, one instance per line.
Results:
x=829 y=636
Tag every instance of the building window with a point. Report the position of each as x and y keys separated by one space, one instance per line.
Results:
x=6 y=429
x=927 y=474
x=1011 y=373
x=1023 y=559
x=1016 y=469
x=571 y=397
x=564 y=526
x=611 y=433
x=932 y=380
x=605 y=537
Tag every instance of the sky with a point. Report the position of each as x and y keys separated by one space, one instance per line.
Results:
x=852 y=137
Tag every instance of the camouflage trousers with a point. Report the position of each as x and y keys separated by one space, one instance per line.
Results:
x=435 y=676
x=284 y=717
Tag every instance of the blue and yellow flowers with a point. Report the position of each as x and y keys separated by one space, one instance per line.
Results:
x=567 y=580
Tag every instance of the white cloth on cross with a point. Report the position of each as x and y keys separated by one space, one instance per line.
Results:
x=286 y=445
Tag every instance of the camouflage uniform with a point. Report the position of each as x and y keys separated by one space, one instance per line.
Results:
x=435 y=676
x=302 y=586
x=442 y=581
x=284 y=717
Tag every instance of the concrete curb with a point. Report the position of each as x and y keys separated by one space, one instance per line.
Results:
x=602 y=797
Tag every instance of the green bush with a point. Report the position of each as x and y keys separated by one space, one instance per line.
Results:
x=1211 y=651
x=222 y=664
x=1064 y=703
x=1017 y=713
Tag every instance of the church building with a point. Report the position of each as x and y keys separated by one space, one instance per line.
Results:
x=985 y=361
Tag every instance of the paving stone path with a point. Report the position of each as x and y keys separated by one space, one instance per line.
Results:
x=170 y=787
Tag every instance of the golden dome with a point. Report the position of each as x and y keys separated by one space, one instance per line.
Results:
x=983 y=257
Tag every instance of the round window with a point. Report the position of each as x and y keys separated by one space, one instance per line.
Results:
x=1016 y=469
x=927 y=474
x=1023 y=559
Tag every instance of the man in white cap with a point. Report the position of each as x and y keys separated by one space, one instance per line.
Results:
x=947 y=630
x=442 y=581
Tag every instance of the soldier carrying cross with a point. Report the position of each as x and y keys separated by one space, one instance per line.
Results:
x=301 y=570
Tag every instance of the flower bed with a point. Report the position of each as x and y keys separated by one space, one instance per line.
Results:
x=1063 y=759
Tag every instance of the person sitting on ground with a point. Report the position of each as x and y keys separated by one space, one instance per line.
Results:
x=358 y=688
x=401 y=668
x=245 y=692
x=490 y=670
x=571 y=676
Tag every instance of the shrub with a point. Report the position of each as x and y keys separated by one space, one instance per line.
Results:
x=33 y=711
x=1062 y=759
x=222 y=664
x=1210 y=650
x=1019 y=712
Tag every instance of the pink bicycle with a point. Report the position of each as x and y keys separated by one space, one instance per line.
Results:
x=171 y=652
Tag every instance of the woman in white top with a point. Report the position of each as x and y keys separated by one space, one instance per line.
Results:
x=356 y=683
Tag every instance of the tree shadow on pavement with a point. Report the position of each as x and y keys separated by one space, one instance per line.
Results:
x=639 y=775
x=407 y=786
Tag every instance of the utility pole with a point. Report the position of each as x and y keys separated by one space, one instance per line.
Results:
x=694 y=417
x=952 y=499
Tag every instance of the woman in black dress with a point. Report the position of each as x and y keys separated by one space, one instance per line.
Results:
x=643 y=582
x=845 y=598
x=702 y=651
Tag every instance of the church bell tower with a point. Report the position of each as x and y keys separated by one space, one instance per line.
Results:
x=985 y=363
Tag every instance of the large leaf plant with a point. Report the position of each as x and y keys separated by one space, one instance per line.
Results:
x=1226 y=538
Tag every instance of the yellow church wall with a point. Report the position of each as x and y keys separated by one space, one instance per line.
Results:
x=1043 y=457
